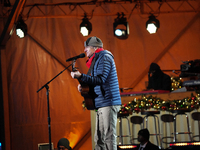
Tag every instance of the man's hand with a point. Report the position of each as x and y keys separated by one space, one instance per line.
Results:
x=76 y=74
x=79 y=88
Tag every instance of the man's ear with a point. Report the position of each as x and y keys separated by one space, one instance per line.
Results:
x=96 y=48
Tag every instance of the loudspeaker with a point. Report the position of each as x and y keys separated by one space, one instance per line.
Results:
x=45 y=146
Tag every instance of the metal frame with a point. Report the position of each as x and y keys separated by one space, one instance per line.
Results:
x=77 y=9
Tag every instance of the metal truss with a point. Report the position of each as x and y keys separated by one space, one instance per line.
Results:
x=92 y=8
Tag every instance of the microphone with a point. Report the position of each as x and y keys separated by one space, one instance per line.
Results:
x=76 y=57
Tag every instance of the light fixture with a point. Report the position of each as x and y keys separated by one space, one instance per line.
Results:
x=21 y=28
x=195 y=145
x=126 y=147
x=85 y=26
x=152 y=24
x=121 y=27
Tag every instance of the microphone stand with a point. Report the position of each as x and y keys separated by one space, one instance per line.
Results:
x=47 y=93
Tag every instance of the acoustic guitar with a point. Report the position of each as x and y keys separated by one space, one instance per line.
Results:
x=87 y=91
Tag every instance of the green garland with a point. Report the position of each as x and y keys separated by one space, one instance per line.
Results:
x=146 y=103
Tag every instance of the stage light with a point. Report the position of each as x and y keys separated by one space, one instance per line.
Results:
x=121 y=27
x=126 y=147
x=21 y=28
x=152 y=24
x=85 y=26
x=185 y=145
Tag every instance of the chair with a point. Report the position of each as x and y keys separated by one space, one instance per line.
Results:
x=196 y=117
x=156 y=124
x=122 y=116
x=168 y=120
x=181 y=112
x=135 y=120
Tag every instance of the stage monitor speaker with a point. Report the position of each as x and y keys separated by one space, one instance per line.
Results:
x=45 y=146
x=185 y=146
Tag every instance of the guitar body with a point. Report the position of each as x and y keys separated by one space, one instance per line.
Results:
x=87 y=92
x=89 y=96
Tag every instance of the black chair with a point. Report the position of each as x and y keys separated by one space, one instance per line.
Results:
x=196 y=117
x=168 y=120
x=122 y=116
x=156 y=124
x=136 y=120
x=182 y=113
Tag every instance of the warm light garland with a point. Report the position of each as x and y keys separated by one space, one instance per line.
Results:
x=176 y=83
x=146 y=103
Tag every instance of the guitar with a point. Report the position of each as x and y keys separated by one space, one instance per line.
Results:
x=87 y=91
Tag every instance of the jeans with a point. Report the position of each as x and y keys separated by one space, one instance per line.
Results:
x=105 y=133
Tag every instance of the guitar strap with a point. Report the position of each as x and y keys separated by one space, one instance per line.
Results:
x=92 y=66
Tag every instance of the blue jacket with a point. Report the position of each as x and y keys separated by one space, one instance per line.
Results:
x=104 y=79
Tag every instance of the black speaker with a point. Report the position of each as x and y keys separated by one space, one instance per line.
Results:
x=45 y=146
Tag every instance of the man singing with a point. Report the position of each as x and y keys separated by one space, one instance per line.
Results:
x=103 y=77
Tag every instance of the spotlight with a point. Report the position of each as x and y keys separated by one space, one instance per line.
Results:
x=185 y=145
x=85 y=26
x=126 y=147
x=21 y=28
x=152 y=24
x=121 y=27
